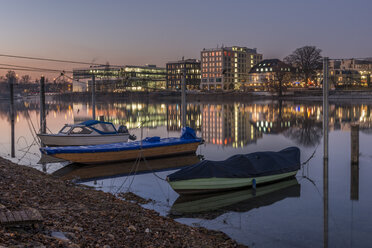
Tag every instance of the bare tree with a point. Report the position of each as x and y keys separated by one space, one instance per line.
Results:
x=10 y=74
x=307 y=59
x=280 y=74
x=26 y=79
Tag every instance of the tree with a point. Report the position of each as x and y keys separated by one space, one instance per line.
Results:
x=26 y=79
x=307 y=59
x=10 y=74
x=281 y=74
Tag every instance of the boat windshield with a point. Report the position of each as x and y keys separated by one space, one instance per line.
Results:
x=81 y=130
x=65 y=129
x=104 y=127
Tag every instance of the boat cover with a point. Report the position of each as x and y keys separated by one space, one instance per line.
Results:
x=243 y=166
x=115 y=147
x=92 y=123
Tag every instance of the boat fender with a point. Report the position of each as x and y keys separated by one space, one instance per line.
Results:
x=254 y=186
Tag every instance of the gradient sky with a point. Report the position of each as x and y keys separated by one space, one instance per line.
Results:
x=154 y=32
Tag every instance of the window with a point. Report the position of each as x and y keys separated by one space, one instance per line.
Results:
x=81 y=130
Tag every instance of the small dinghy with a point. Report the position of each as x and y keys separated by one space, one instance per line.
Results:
x=236 y=172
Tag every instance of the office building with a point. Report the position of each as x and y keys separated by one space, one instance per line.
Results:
x=175 y=73
x=227 y=68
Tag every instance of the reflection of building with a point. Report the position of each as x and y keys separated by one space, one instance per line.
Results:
x=226 y=68
x=120 y=78
x=193 y=117
x=268 y=72
x=175 y=74
x=227 y=125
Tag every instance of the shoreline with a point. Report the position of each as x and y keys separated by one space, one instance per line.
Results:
x=86 y=217
x=207 y=97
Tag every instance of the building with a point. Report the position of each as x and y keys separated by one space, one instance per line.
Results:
x=227 y=68
x=175 y=74
x=266 y=74
x=110 y=78
x=347 y=73
x=143 y=78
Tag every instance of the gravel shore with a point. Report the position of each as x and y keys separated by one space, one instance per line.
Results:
x=77 y=216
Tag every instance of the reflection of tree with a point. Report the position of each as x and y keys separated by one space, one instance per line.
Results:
x=306 y=132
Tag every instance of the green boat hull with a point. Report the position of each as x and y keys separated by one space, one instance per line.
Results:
x=207 y=185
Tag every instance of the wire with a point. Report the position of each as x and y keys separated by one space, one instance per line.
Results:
x=20 y=67
x=51 y=60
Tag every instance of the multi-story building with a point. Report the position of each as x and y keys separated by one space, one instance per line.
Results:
x=350 y=72
x=227 y=68
x=175 y=73
x=120 y=78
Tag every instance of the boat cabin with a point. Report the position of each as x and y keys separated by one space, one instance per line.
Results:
x=91 y=127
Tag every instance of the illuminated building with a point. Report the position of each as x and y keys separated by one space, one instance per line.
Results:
x=175 y=74
x=227 y=68
x=264 y=75
x=346 y=73
x=120 y=78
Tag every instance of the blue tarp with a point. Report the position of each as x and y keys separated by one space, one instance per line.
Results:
x=115 y=147
x=243 y=166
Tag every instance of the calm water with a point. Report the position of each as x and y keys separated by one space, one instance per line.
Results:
x=288 y=214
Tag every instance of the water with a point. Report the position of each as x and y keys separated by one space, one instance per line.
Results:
x=288 y=214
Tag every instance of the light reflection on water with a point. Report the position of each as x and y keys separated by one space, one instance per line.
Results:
x=281 y=220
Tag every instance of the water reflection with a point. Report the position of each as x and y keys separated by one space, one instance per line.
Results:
x=211 y=206
x=335 y=216
x=81 y=173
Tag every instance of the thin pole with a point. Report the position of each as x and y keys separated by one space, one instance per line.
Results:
x=183 y=96
x=93 y=97
x=11 y=88
x=42 y=106
x=325 y=107
x=325 y=152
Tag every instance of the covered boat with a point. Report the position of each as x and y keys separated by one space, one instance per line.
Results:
x=149 y=148
x=236 y=172
x=90 y=132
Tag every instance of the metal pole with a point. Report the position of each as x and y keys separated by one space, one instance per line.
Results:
x=325 y=152
x=325 y=107
x=183 y=96
x=11 y=88
x=42 y=106
x=93 y=97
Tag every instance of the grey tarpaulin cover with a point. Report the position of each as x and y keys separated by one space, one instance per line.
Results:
x=243 y=166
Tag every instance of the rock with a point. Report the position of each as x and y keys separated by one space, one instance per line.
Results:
x=60 y=236
x=132 y=228
x=111 y=236
x=147 y=230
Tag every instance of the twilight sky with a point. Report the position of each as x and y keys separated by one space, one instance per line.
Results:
x=156 y=31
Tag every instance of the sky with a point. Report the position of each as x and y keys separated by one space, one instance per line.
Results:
x=154 y=32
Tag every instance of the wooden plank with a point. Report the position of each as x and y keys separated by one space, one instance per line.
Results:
x=34 y=214
x=23 y=215
x=17 y=216
x=9 y=216
x=3 y=218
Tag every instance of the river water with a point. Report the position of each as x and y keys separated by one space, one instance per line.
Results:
x=302 y=212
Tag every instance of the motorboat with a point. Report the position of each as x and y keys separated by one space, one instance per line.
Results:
x=91 y=132
x=238 y=171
